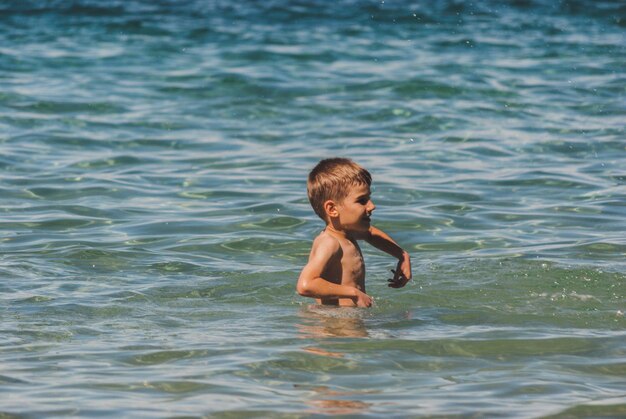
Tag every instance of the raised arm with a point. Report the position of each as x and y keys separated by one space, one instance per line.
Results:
x=311 y=284
x=380 y=240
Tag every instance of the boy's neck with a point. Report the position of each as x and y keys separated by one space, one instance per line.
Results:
x=342 y=234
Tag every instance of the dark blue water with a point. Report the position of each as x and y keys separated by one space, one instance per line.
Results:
x=154 y=219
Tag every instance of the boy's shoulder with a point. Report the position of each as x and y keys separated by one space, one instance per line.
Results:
x=326 y=242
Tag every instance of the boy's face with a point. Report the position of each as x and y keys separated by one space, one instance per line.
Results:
x=355 y=210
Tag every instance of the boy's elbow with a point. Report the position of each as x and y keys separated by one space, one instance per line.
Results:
x=303 y=288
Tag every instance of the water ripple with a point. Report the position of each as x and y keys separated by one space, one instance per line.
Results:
x=154 y=218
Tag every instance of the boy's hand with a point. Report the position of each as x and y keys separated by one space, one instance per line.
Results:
x=402 y=274
x=362 y=299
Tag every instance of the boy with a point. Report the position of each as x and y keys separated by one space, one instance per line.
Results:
x=339 y=192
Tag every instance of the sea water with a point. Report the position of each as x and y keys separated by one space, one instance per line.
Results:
x=154 y=219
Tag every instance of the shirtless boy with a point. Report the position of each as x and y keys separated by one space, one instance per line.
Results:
x=339 y=192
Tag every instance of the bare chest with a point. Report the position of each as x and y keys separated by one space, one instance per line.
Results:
x=352 y=263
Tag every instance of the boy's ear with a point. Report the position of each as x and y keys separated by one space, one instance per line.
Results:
x=331 y=208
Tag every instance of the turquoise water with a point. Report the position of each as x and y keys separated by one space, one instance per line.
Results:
x=154 y=219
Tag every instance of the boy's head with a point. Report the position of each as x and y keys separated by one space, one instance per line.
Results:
x=332 y=179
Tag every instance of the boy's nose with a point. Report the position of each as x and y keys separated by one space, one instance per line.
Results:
x=372 y=207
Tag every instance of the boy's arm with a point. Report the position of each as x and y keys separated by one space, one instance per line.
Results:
x=311 y=284
x=402 y=274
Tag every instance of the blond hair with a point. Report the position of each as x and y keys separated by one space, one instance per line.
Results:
x=332 y=179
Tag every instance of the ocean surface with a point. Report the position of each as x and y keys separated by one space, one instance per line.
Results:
x=154 y=218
